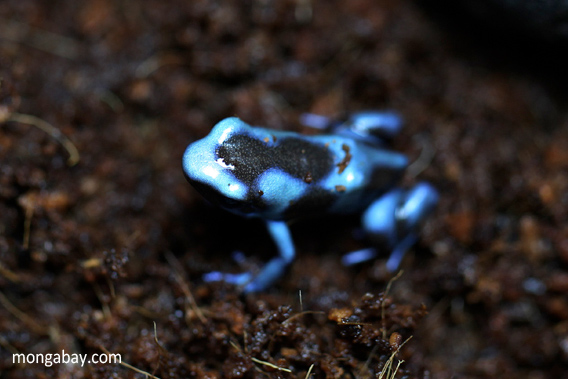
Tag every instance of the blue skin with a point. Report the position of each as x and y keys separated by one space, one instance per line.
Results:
x=280 y=176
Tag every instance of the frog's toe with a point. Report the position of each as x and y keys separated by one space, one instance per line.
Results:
x=398 y=253
x=236 y=279
x=359 y=256
x=270 y=273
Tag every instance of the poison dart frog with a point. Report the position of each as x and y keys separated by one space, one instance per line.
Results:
x=280 y=176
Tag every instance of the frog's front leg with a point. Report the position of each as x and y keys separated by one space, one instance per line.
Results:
x=275 y=267
x=272 y=271
x=393 y=220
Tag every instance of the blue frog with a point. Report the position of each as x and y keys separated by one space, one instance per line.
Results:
x=280 y=176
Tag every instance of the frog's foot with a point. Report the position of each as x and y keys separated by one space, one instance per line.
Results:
x=377 y=126
x=381 y=124
x=359 y=256
x=370 y=253
x=270 y=272
x=275 y=268
x=236 y=279
x=395 y=218
x=393 y=263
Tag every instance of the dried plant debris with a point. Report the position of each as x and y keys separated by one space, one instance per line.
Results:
x=264 y=341
x=103 y=244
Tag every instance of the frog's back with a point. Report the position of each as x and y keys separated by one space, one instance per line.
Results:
x=280 y=175
x=357 y=175
x=301 y=176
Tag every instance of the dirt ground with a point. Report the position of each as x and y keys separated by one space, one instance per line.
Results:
x=103 y=242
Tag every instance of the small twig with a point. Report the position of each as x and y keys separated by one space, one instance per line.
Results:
x=156 y=337
x=309 y=372
x=264 y=363
x=46 y=41
x=174 y=263
x=91 y=263
x=394 y=278
x=355 y=323
x=52 y=131
x=235 y=345
x=388 y=365
x=423 y=161
x=245 y=341
x=300 y=314
x=100 y=296
x=129 y=366
x=27 y=320
x=110 y=285
x=27 y=226
x=111 y=99
x=389 y=284
x=145 y=312
x=155 y=62
x=6 y=345
x=9 y=274
x=396 y=368
x=160 y=347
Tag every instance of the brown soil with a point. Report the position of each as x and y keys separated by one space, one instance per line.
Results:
x=106 y=253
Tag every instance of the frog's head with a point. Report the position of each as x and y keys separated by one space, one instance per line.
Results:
x=217 y=167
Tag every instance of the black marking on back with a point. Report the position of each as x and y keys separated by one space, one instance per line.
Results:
x=295 y=156
x=313 y=203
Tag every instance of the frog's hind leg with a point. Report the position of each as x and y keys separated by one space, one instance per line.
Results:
x=394 y=220
x=375 y=127
x=379 y=222
x=384 y=125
